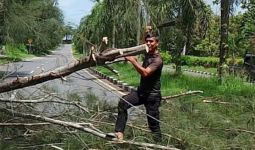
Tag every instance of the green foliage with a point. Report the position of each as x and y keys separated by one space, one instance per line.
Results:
x=206 y=48
x=14 y=52
x=167 y=58
x=200 y=61
x=108 y=18
x=41 y=21
x=209 y=62
x=76 y=52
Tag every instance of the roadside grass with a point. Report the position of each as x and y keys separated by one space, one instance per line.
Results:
x=223 y=117
x=200 y=68
x=76 y=53
x=15 y=53
x=126 y=73
x=196 y=68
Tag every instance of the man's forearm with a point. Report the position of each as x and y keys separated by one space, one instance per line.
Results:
x=142 y=71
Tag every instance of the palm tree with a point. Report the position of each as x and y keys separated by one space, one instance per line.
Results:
x=115 y=19
x=124 y=20
x=225 y=9
x=183 y=15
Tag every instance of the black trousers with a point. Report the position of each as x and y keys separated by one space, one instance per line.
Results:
x=151 y=102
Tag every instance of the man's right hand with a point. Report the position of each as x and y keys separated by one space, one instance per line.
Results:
x=131 y=59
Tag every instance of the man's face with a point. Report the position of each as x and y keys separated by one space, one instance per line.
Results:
x=152 y=43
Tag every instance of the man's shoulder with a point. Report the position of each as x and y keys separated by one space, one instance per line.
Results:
x=158 y=57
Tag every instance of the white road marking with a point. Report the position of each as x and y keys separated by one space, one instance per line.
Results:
x=31 y=72
x=107 y=85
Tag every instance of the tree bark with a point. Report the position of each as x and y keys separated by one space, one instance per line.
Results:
x=72 y=67
x=138 y=31
x=182 y=94
x=225 y=7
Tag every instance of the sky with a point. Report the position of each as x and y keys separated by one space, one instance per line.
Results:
x=74 y=10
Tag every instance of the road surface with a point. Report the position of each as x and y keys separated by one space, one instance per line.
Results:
x=81 y=83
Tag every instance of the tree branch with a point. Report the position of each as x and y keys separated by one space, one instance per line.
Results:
x=41 y=100
x=81 y=128
x=71 y=67
x=54 y=121
x=216 y=102
x=22 y=124
x=167 y=24
x=149 y=145
x=182 y=94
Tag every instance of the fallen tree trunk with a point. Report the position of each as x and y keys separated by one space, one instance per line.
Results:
x=72 y=67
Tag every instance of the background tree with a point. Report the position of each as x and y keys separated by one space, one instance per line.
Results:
x=225 y=9
x=184 y=15
x=44 y=26
x=248 y=28
x=115 y=20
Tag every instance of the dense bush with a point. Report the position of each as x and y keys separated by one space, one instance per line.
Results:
x=15 y=52
x=208 y=61
x=167 y=58
x=39 y=22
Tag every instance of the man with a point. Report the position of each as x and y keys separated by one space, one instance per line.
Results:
x=148 y=92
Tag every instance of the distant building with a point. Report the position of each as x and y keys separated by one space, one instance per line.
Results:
x=67 y=39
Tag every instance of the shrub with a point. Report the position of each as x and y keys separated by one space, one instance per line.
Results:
x=16 y=51
x=200 y=61
x=237 y=61
x=208 y=61
x=167 y=58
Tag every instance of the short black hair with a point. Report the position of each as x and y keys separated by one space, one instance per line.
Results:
x=151 y=35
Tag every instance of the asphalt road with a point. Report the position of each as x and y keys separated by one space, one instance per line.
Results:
x=81 y=83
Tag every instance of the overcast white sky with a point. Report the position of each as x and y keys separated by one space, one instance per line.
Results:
x=74 y=10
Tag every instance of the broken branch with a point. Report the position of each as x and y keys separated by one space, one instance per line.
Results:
x=149 y=145
x=182 y=94
x=70 y=68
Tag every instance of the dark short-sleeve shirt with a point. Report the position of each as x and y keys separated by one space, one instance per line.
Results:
x=152 y=82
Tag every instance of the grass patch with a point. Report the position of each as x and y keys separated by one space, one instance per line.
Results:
x=15 y=53
x=76 y=53
x=199 y=125
x=126 y=73
x=201 y=68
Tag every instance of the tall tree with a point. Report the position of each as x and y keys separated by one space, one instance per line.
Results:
x=108 y=16
x=183 y=15
x=115 y=19
x=39 y=20
x=225 y=10
x=248 y=27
